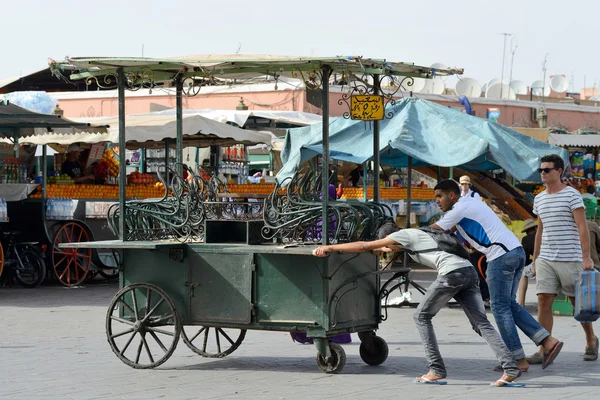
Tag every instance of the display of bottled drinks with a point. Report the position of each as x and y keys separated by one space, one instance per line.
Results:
x=13 y=172
x=59 y=209
x=234 y=164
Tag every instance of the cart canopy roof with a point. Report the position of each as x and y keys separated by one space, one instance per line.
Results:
x=20 y=121
x=152 y=129
x=432 y=134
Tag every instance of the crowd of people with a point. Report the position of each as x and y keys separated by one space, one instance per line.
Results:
x=556 y=249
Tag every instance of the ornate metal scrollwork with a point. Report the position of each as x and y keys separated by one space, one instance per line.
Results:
x=313 y=79
x=179 y=214
x=387 y=86
x=295 y=214
x=108 y=81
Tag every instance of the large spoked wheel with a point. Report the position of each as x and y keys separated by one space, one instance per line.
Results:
x=374 y=351
x=71 y=265
x=142 y=326
x=336 y=362
x=212 y=342
x=31 y=271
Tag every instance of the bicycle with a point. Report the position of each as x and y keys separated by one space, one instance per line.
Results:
x=22 y=261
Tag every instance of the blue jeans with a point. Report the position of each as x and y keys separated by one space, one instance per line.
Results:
x=503 y=275
x=462 y=284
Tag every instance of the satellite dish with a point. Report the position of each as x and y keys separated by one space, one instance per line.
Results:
x=434 y=86
x=500 y=91
x=440 y=66
x=468 y=87
x=594 y=98
x=559 y=83
x=536 y=89
x=519 y=87
x=484 y=88
x=494 y=81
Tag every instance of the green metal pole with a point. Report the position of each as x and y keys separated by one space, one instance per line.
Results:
x=44 y=175
x=122 y=166
x=439 y=174
x=376 y=145
x=365 y=181
x=179 y=114
x=143 y=161
x=451 y=173
x=408 y=201
x=325 y=167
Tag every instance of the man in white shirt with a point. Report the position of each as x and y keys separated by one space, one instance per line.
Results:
x=482 y=228
x=562 y=246
x=456 y=279
x=465 y=184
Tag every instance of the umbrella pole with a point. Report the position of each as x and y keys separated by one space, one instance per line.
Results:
x=408 y=201
x=179 y=114
x=122 y=166
x=326 y=72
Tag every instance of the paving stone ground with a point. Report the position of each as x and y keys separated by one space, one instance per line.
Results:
x=54 y=346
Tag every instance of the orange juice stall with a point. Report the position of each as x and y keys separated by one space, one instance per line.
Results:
x=80 y=205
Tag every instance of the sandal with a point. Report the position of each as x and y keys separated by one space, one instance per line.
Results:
x=427 y=381
x=591 y=353
x=551 y=356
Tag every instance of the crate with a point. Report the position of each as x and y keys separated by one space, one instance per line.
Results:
x=562 y=306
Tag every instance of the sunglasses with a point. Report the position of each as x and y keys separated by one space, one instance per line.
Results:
x=545 y=170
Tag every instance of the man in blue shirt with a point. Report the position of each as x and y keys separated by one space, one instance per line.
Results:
x=482 y=228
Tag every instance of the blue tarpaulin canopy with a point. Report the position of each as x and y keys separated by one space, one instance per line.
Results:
x=430 y=133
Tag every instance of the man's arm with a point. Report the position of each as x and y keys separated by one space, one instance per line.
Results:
x=354 y=247
x=584 y=237
x=449 y=219
x=537 y=245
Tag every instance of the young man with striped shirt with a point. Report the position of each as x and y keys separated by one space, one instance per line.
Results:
x=562 y=247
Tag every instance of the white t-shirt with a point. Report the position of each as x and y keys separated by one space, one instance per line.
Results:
x=415 y=240
x=560 y=237
x=481 y=227
x=471 y=193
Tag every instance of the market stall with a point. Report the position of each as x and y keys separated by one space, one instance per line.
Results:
x=269 y=287
x=24 y=220
x=88 y=202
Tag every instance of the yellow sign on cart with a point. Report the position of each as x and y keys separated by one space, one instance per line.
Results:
x=366 y=107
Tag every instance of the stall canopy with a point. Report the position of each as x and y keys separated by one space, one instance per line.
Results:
x=574 y=140
x=240 y=117
x=150 y=131
x=431 y=134
x=20 y=121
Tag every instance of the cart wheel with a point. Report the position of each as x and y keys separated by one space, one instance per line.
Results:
x=71 y=265
x=211 y=338
x=335 y=363
x=375 y=351
x=140 y=317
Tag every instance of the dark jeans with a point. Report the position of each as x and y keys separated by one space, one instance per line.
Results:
x=503 y=276
x=462 y=285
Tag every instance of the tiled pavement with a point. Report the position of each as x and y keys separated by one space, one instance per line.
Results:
x=53 y=346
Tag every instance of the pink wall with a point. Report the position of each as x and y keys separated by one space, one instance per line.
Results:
x=295 y=100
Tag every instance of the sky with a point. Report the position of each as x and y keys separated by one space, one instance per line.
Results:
x=466 y=34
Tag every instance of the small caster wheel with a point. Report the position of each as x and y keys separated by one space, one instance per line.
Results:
x=374 y=351
x=335 y=363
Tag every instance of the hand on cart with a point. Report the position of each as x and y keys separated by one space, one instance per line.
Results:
x=322 y=251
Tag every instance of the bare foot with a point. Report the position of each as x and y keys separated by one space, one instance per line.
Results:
x=429 y=377
x=503 y=380
x=549 y=343
x=523 y=364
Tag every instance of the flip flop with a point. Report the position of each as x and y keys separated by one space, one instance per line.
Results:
x=508 y=384
x=429 y=382
x=551 y=356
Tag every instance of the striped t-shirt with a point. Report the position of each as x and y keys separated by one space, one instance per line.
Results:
x=560 y=236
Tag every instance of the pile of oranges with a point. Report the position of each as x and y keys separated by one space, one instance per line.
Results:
x=139 y=191
x=136 y=177
x=259 y=188
x=389 y=193
x=109 y=158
